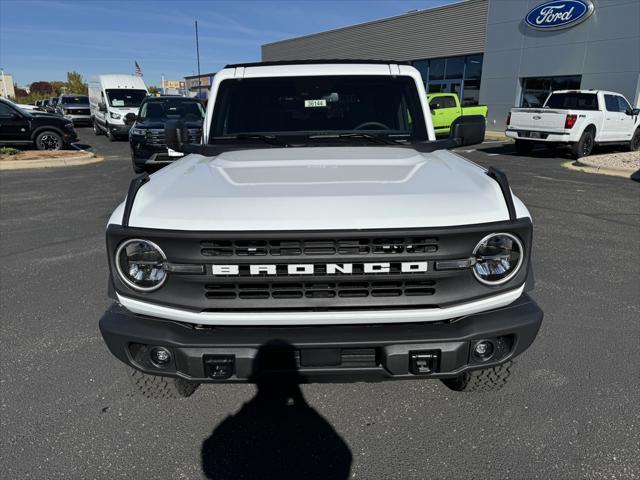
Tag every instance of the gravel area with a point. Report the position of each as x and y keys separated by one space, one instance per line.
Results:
x=618 y=160
x=41 y=155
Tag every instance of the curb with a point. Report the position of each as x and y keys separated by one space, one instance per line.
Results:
x=613 y=172
x=50 y=163
x=495 y=136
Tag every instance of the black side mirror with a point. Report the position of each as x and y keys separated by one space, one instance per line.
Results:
x=633 y=112
x=468 y=130
x=102 y=107
x=175 y=135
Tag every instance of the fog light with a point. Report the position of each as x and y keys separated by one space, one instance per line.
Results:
x=483 y=349
x=160 y=357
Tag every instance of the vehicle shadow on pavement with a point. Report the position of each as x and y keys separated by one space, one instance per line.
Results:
x=276 y=434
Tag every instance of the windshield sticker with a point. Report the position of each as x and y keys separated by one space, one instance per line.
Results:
x=315 y=103
x=117 y=103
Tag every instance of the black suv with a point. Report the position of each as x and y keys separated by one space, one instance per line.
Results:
x=46 y=132
x=146 y=137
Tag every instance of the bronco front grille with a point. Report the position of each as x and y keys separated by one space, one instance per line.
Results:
x=319 y=247
x=295 y=290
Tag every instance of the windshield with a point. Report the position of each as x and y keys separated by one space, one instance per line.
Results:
x=171 y=109
x=319 y=105
x=573 y=100
x=124 y=97
x=75 y=100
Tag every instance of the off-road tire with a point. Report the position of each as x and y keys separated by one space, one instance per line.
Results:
x=584 y=146
x=634 y=143
x=523 y=147
x=49 y=140
x=96 y=129
x=487 y=380
x=155 y=387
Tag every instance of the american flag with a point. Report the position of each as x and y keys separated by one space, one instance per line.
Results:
x=138 y=70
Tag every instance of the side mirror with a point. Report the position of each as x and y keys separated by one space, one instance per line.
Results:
x=468 y=130
x=176 y=135
x=102 y=107
x=633 y=112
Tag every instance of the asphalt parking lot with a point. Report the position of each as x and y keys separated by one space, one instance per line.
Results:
x=571 y=411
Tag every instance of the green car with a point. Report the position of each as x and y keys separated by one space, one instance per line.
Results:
x=445 y=109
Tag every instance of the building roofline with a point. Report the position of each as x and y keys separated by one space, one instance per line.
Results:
x=373 y=22
x=197 y=76
x=317 y=62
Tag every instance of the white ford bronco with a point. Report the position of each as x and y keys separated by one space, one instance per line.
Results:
x=320 y=220
x=579 y=119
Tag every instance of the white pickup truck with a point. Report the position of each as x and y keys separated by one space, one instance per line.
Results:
x=580 y=119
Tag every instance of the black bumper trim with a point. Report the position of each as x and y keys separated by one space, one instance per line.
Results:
x=393 y=343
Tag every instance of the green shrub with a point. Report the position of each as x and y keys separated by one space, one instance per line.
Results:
x=8 y=151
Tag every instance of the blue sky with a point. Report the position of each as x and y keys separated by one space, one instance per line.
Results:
x=43 y=39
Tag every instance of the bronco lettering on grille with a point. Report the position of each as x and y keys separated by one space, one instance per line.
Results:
x=313 y=269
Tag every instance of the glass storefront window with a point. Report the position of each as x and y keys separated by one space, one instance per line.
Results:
x=459 y=75
x=473 y=68
x=423 y=67
x=454 y=68
x=536 y=90
x=436 y=69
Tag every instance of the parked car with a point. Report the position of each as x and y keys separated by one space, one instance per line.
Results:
x=45 y=104
x=446 y=111
x=319 y=231
x=51 y=105
x=45 y=131
x=75 y=108
x=148 y=147
x=579 y=119
x=114 y=102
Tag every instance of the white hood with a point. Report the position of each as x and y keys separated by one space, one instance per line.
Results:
x=326 y=188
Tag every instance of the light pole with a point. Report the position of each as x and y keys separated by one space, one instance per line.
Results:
x=198 y=55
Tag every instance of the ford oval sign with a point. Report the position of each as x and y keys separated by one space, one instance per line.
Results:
x=559 y=14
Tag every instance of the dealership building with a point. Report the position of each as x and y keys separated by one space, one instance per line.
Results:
x=501 y=53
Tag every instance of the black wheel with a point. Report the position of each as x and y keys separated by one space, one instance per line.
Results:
x=486 y=380
x=584 y=146
x=151 y=386
x=523 y=147
x=49 y=140
x=634 y=143
x=96 y=129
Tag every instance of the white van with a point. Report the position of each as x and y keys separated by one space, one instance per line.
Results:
x=114 y=102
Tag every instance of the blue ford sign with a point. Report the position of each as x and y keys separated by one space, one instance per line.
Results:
x=559 y=14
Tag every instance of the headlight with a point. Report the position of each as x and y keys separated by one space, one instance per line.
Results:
x=115 y=115
x=498 y=257
x=138 y=131
x=68 y=126
x=140 y=264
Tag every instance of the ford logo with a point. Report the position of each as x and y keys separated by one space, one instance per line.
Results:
x=559 y=14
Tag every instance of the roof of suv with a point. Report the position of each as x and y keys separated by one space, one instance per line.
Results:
x=317 y=62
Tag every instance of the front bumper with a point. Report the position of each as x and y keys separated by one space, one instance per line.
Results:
x=116 y=129
x=79 y=119
x=333 y=353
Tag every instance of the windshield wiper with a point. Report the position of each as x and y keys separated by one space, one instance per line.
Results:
x=373 y=138
x=254 y=136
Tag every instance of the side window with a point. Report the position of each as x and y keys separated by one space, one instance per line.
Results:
x=6 y=111
x=611 y=103
x=448 y=102
x=623 y=105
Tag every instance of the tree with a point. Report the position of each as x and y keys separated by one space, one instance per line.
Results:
x=75 y=84
x=20 y=92
x=42 y=88
x=58 y=87
x=153 y=90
